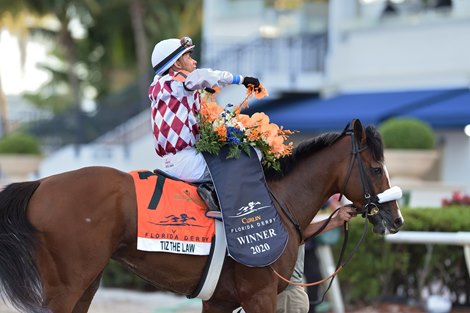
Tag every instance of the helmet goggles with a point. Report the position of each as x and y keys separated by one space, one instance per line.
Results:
x=185 y=43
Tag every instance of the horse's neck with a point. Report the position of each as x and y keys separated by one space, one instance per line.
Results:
x=305 y=190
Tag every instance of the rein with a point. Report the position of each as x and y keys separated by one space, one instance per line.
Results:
x=289 y=214
x=370 y=208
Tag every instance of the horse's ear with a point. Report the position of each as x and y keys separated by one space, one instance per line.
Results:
x=359 y=131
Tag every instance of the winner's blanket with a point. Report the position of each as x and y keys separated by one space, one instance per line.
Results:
x=170 y=216
x=255 y=234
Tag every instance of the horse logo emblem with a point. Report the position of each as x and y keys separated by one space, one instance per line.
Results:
x=173 y=220
x=250 y=208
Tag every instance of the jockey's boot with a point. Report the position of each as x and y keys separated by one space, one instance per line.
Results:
x=207 y=193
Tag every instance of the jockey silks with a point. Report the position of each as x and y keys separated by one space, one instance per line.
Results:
x=176 y=103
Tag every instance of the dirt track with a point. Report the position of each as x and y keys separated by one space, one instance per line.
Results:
x=123 y=301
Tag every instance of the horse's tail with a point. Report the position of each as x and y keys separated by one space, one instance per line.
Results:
x=20 y=282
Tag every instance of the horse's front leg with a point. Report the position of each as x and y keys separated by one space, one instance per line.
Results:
x=212 y=306
x=257 y=289
x=263 y=301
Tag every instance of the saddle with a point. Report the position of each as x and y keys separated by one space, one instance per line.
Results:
x=205 y=190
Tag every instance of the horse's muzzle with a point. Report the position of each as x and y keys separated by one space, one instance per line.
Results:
x=397 y=224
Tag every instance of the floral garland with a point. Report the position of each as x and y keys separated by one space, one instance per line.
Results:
x=219 y=127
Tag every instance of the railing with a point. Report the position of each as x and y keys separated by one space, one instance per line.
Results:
x=434 y=238
x=72 y=127
x=135 y=128
x=286 y=56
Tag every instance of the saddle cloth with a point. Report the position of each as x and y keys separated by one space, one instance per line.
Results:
x=171 y=216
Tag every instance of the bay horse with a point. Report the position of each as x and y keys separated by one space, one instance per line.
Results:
x=57 y=234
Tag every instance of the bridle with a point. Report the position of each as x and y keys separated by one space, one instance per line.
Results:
x=370 y=208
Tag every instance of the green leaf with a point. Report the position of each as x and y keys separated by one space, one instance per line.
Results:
x=246 y=149
x=234 y=152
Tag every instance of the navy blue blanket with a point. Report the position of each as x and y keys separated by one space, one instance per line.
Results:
x=254 y=231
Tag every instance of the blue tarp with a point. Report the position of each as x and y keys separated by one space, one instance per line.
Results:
x=316 y=115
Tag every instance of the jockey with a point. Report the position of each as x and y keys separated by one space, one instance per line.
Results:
x=175 y=97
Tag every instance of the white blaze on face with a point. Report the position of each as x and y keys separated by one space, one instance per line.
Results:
x=388 y=179
x=387 y=175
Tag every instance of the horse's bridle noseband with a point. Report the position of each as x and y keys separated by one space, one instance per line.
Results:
x=371 y=207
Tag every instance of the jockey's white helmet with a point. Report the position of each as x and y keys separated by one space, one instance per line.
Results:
x=168 y=51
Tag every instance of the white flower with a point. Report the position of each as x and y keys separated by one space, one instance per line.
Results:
x=241 y=127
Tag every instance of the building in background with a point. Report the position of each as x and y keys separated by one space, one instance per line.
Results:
x=284 y=43
x=422 y=45
x=329 y=62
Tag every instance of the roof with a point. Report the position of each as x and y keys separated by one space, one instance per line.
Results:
x=441 y=108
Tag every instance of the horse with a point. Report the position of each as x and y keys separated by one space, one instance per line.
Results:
x=58 y=233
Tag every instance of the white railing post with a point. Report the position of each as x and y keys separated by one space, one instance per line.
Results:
x=327 y=267
x=434 y=238
x=466 y=251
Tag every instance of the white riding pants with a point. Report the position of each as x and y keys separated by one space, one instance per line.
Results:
x=187 y=164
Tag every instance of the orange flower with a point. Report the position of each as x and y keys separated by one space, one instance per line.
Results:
x=259 y=118
x=244 y=104
x=245 y=120
x=288 y=148
x=285 y=132
x=277 y=144
x=253 y=134
x=216 y=89
x=269 y=130
x=254 y=127
x=261 y=92
x=258 y=92
x=210 y=111
x=221 y=131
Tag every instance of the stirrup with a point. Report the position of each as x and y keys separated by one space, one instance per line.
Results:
x=214 y=214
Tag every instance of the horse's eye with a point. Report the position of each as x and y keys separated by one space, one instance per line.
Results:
x=377 y=171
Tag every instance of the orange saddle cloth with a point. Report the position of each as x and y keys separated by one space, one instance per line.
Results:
x=171 y=216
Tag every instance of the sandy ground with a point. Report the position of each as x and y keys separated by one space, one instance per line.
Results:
x=117 y=301
x=395 y=308
x=124 y=301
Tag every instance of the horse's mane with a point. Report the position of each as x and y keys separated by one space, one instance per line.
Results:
x=315 y=144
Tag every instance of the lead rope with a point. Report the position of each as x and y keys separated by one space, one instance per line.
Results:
x=340 y=265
